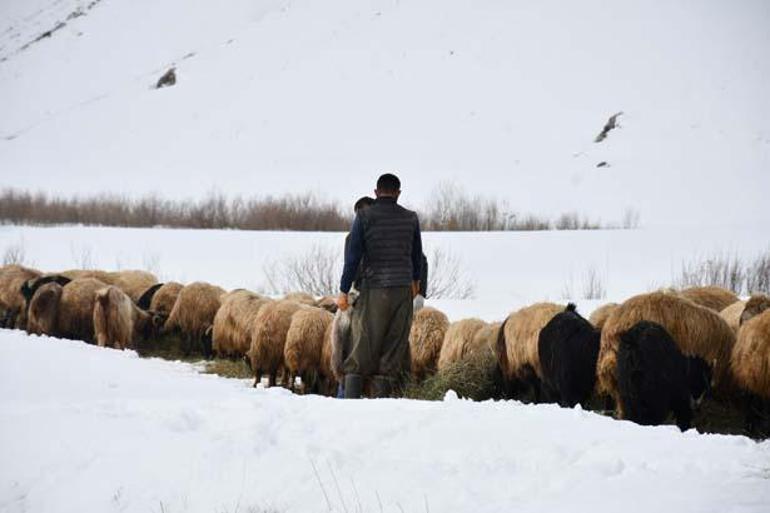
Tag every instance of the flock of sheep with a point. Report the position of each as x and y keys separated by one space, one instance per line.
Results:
x=654 y=355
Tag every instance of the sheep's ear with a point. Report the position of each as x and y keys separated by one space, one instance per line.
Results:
x=62 y=280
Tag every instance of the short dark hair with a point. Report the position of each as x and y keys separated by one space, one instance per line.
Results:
x=388 y=183
x=364 y=201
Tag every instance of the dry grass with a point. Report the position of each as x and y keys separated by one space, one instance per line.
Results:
x=228 y=369
x=476 y=377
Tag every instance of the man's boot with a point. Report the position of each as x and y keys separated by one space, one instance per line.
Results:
x=353 y=386
x=382 y=386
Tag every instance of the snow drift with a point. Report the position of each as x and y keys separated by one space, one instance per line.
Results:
x=88 y=429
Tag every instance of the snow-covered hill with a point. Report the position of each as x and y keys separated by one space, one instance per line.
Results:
x=85 y=429
x=503 y=98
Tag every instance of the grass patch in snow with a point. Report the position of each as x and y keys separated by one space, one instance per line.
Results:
x=228 y=368
x=170 y=347
x=474 y=378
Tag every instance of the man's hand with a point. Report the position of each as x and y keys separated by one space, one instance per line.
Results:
x=342 y=301
x=415 y=288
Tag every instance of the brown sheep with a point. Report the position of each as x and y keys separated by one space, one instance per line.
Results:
x=732 y=315
x=302 y=298
x=714 y=298
x=269 y=339
x=750 y=366
x=193 y=314
x=12 y=301
x=304 y=347
x=600 y=315
x=328 y=303
x=486 y=338
x=425 y=339
x=29 y=288
x=118 y=322
x=75 y=313
x=164 y=299
x=697 y=331
x=517 y=344
x=756 y=304
x=43 y=307
x=234 y=322
x=458 y=341
x=331 y=373
x=132 y=282
x=339 y=342
x=750 y=359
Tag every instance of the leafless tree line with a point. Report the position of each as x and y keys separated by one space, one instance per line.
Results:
x=449 y=209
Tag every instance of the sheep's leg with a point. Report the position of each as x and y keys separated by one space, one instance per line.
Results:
x=683 y=413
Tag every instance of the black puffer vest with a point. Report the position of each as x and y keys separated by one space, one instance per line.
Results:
x=388 y=236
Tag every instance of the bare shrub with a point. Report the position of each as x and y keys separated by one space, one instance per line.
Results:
x=573 y=221
x=316 y=272
x=758 y=275
x=446 y=279
x=631 y=219
x=14 y=254
x=593 y=286
x=728 y=272
x=82 y=256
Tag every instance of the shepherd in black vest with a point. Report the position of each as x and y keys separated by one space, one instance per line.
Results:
x=385 y=239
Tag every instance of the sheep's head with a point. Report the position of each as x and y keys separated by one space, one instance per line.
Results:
x=754 y=306
x=43 y=309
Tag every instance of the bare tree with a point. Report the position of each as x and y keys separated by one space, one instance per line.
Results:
x=14 y=254
x=317 y=272
x=446 y=278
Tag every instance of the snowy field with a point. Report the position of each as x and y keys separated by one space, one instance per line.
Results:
x=86 y=429
x=501 y=97
x=508 y=269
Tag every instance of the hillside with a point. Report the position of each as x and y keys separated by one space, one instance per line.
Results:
x=502 y=98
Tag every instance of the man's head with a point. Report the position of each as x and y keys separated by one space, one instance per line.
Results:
x=363 y=202
x=388 y=186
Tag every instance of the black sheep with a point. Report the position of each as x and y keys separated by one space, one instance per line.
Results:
x=568 y=347
x=655 y=378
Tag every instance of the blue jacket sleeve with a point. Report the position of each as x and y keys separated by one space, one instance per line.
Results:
x=354 y=250
x=417 y=253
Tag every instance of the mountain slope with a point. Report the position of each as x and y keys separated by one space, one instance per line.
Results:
x=503 y=98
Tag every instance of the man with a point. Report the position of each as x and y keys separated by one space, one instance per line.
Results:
x=386 y=239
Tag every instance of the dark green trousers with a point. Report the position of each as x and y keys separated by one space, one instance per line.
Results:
x=379 y=342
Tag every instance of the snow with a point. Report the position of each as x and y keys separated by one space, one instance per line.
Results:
x=508 y=269
x=502 y=98
x=85 y=429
